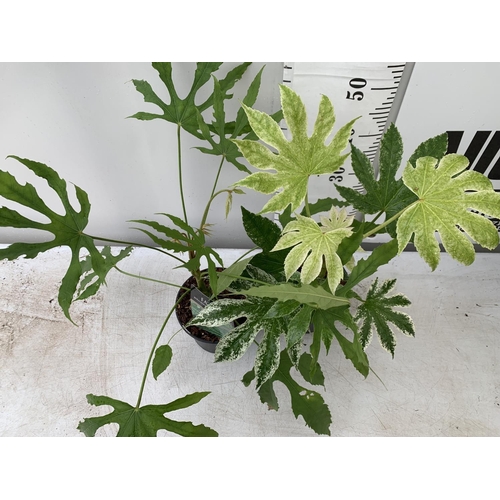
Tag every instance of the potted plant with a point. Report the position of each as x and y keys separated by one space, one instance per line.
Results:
x=303 y=282
x=305 y=279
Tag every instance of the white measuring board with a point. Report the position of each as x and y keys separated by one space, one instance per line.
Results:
x=365 y=90
x=423 y=99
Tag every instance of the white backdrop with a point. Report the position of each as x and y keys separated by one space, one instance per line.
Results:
x=72 y=116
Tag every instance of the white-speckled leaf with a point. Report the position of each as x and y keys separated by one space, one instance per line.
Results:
x=297 y=159
x=446 y=195
x=267 y=358
x=377 y=313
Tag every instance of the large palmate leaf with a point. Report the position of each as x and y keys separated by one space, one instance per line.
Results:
x=387 y=194
x=315 y=246
x=377 y=312
x=446 y=193
x=309 y=404
x=67 y=229
x=184 y=112
x=297 y=159
x=145 y=421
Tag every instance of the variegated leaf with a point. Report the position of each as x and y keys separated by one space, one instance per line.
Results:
x=315 y=245
x=297 y=159
x=376 y=312
x=446 y=193
x=234 y=344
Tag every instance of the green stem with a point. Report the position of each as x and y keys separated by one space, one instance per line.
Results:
x=306 y=202
x=377 y=216
x=180 y=173
x=217 y=178
x=130 y=243
x=207 y=208
x=388 y=221
x=141 y=390
x=148 y=279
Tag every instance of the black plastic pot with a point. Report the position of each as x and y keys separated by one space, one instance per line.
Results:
x=209 y=343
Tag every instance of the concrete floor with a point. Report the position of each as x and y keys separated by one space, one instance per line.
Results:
x=444 y=382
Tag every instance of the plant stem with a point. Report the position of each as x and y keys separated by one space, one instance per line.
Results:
x=306 y=202
x=388 y=221
x=147 y=279
x=181 y=189
x=217 y=178
x=143 y=383
x=130 y=243
x=207 y=208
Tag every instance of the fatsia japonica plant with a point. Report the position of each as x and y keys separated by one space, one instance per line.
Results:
x=305 y=281
x=176 y=238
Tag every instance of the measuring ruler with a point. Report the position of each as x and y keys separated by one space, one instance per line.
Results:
x=372 y=91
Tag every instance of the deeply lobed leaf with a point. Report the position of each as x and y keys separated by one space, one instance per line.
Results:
x=377 y=312
x=305 y=402
x=145 y=421
x=184 y=112
x=315 y=245
x=296 y=160
x=446 y=194
x=67 y=229
x=387 y=194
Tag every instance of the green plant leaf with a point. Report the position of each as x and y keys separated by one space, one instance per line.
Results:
x=91 y=282
x=352 y=243
x=162 y=359
x=376 y=312
x=227 y=276
x=311 y=295
x=145 y=421
x=184 y=112
x=224 y=147
x=315 y=246
x=435 y=147
x=299 y=324
x=445 y=195
x=387 y=194
x=324 y=205
x=262 y=231
x=297 y=159
x=185 y=239
x=309 y=404
x=265 y=234
x=67 y=229
x=324 y=325
x=381 y=255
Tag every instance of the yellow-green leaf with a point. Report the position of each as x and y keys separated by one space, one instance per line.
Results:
x=315 y=245
x=297 y=159
x=446 y=195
